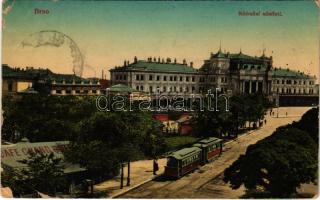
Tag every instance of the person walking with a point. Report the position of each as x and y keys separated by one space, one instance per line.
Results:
x=155 y=166
x=286 y=114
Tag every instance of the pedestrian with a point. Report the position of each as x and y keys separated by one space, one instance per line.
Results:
x=272 y=113
x=155 y=166
x=265 y=121
x=286 y=114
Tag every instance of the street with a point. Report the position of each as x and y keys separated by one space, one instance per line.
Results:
x=206 y=182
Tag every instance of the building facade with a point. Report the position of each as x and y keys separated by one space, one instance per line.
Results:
x=17 y=80
x=153 y=75
x=236 y=73
x=288 y=82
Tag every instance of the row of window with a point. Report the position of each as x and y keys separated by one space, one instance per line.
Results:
x=213 y=147
x=171 y=78
x=189 y=160
x=292 y=82
x=175 y=89
x=166 y=89
x=294 y=91
x=76 y=91
x=250 y=67
x=140 y=77
x=121 y=77
x=212 y=79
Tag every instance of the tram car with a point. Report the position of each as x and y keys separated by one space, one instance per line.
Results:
x=182 y=162
x=210 y=149
x=186 y=160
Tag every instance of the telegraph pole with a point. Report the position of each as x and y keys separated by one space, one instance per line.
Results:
x=121 y=181
x=128 y=177
x=277 y=102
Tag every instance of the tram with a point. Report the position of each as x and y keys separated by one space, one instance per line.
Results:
x=210 y=149
x=182 y=162
x=187 y=160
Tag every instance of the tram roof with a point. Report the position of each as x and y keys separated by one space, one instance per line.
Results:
x=210 y=140
x=183 y=153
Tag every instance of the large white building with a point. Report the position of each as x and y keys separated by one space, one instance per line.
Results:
x=235 y=73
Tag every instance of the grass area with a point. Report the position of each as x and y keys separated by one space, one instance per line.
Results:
x=177 y=142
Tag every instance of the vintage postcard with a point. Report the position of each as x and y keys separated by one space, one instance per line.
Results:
x=159 y=99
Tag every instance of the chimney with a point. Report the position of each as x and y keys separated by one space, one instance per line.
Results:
x=162 y=60
x=125 y=63
x=191 y=64
x=168 y=60
x=154 y=59
x=135 y=59
x=102 y=75
x=159 y=60
x=184 y=61
x=175 y=61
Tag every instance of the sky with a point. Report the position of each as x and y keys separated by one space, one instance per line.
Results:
x=109 y=32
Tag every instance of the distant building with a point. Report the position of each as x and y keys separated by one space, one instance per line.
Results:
x=238 y=73
x=285 y=81
x=185 y=126
x=151 y=75
x=234 y=73
x=16 y=80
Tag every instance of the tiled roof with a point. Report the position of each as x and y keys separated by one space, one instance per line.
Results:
x=121 y=88
x=12 y=160
x=239 y=55
x=288 y=73
x=43 y=74
x=158 y=67
x=219 y=54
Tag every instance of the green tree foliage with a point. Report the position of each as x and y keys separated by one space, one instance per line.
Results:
x=309 y=123
x=43 y=173
x=45 y=118
x=277 y=165
x=106 y=139
x=100 y=140
x=241 y=109
x=16 y=182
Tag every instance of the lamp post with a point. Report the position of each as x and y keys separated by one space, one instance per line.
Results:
x=128 y=177
x=121 y=181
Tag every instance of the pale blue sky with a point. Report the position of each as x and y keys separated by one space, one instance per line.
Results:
x=109 y=32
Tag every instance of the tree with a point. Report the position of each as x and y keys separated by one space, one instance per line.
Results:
x=242 y=109
x=43 y=172
x=106 y=139
x=310 y=123
x=276 y=165
x=45 y=118
x=15 y=181
x=212 y=123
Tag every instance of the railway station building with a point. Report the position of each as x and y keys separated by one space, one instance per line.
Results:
x=233 y=73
